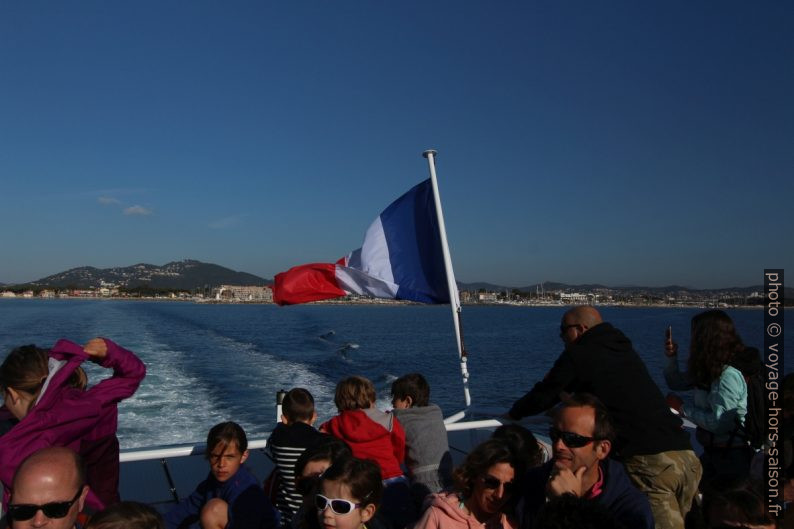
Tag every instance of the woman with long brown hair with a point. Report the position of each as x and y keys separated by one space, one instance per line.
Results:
x=720 y=393
x=46 y=403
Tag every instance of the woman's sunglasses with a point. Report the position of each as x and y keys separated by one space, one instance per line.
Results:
x=56 y=509
x=338 y=505
x=492 y=483
x=569 y=439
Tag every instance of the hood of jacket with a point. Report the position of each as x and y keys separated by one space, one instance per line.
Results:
x=358 y=426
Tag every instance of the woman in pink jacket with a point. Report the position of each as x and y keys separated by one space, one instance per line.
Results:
x=43 y=397
x=483 y=485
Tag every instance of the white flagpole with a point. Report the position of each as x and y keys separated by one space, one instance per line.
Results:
x=454 y=300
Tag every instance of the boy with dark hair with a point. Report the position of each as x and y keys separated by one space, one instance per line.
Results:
x=427 y=450
x=231 y=496
x=289 y=439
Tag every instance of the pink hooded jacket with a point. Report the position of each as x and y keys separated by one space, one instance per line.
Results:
x=445 y=512
x=66 y=416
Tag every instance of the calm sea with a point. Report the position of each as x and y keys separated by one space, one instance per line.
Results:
x=210 y=363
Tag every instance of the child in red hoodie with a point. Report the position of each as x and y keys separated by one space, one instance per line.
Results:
x=373 y=434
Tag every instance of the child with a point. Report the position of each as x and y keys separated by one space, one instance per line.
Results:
x=311 y=464
x=373 y=434
x=127 y=515
x=348 y=494
x=370 y=433
x=287 y=442
x=230 y=497
x=428 y=459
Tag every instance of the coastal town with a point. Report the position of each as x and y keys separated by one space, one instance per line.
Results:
x=263 y=294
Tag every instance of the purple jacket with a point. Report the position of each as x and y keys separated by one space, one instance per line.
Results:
x=66 y=416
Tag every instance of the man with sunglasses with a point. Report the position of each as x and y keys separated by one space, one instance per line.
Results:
x=650 y=441
x=582 y=435
x=49 y=491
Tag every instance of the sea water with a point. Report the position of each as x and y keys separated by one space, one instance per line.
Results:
x=209 y=363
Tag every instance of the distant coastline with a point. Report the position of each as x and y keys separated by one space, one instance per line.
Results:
x=386 y=302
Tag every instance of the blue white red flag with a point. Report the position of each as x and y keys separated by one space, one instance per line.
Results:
x=401 y=258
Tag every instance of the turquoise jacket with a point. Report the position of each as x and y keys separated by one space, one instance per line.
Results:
x=717 y=409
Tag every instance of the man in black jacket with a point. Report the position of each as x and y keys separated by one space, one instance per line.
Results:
x=656 y=452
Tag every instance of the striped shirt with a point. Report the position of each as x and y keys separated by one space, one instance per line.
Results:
x=286 y=444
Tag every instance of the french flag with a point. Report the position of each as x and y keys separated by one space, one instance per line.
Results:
x=401 y=258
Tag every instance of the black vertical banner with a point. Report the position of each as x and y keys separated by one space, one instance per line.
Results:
x=773 y=360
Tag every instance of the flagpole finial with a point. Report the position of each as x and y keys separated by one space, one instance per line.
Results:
x=429 y=152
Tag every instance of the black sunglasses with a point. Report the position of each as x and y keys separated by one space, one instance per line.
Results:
x=492 y=483
x=56 y=509
x=569 y=439
x=564 y=327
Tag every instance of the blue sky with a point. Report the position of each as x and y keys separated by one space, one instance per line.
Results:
x=619 y=143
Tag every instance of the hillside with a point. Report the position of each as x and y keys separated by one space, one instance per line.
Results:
x=186 y=275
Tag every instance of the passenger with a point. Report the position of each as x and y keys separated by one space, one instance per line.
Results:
x=230 y=497
x=373 y=434
x=308 y=469
x=657 y=454
x=736 y=504
x=483 y=485
x=348 y=495
x=523 y=442
x=43 y=391
x=49 y=491
x=720 y=399
x=581 y=442
x=289 y=439
x=427 y=449
x=127 y=515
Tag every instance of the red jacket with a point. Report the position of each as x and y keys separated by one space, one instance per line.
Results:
x=371 y=434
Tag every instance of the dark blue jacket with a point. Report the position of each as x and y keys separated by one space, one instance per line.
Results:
x=628 y=505
x=249 y=508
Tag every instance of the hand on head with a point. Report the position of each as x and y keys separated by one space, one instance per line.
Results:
x=96 y=348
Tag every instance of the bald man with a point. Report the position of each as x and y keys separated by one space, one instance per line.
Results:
x=49 y=491
x=600 y=360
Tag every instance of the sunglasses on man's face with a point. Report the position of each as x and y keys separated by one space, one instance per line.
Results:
x=492 y=483
x=56 y=509
x=338 y=505
x=569 y=439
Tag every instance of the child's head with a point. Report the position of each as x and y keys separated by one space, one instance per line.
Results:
x=315 y=460
x=522 y=442
x=355 y=393
x=410 y=391
x=298 y=406
x=127 y=515
x=349 y=494
x=227 y=450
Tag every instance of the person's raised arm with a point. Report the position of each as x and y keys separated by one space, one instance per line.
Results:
x=546 y=393
x=128 y=370
x=676 y=380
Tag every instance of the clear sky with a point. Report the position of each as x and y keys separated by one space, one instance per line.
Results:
x=620 y=143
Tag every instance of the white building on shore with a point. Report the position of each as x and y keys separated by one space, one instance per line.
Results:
x=252 y=294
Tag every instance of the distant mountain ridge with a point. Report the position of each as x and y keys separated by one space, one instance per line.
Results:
x=188 y=274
